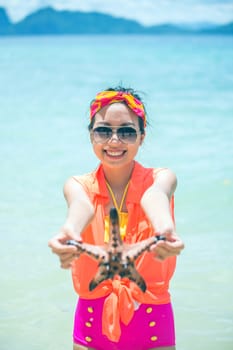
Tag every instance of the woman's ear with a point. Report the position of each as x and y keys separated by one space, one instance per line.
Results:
x=91 y=137
x=142 y=138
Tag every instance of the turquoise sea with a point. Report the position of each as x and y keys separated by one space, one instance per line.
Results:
x=46 y=84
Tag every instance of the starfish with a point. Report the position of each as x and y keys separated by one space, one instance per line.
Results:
x=116 y=258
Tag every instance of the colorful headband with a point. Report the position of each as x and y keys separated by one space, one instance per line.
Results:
x=105 y=98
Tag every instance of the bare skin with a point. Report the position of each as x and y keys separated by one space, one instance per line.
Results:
x=117 y=159
x=155 y=200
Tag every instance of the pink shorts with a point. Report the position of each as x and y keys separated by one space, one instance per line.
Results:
x=152 y=326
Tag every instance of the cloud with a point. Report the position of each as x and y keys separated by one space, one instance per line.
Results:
x=145 y=11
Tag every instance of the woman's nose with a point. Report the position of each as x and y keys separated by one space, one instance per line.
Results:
x=114 y=137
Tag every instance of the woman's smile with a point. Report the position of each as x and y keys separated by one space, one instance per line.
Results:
x=115 y=154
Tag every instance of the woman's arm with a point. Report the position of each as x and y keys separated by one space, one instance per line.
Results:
x=156 y=204
x=80 y=213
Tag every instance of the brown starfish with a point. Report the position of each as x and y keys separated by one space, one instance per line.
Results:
x=116 y=258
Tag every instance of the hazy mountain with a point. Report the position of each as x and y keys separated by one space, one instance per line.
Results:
x=197 y=25
x=5 y=23
x=49 y=21
x=226 y=29
x=166 y=28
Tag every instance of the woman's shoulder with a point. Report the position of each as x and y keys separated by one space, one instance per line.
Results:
x=87 y=181
x=165 y=179
x=163 y=172
x=75 y=182
x=83 y=178
x=157 y=169
x=156 y=172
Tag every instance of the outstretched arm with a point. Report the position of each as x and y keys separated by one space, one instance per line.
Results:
x=156 y=204
x=80 y=213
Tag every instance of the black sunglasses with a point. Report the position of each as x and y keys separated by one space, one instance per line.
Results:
x=125 y=134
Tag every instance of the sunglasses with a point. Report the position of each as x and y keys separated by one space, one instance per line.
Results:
x=125 y=134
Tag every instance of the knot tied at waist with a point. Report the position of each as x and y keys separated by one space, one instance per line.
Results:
x=118 y=306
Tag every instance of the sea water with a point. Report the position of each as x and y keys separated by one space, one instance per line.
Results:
x=46 y=84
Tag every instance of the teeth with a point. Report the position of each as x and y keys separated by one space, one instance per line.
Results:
x=115 y=154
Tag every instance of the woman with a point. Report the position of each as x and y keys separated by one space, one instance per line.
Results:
x=117 y=314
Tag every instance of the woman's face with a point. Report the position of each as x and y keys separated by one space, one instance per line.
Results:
x=114 y=152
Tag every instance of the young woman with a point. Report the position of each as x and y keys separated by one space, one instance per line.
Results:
x=117 y=314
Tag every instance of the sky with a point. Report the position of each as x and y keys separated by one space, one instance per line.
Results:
x=147 y=12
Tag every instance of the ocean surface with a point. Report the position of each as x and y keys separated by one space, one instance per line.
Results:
x=46 y=84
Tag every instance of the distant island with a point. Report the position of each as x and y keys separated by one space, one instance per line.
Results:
x=48 y=21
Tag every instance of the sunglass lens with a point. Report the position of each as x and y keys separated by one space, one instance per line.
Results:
x=127 y=134
x=102 y=133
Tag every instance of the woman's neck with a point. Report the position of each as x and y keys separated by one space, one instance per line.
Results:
x=118 y=177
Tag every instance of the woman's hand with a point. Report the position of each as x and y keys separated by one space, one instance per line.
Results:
x=66 y=253
x=171 y=246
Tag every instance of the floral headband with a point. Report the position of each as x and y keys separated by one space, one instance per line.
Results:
x=105 y=98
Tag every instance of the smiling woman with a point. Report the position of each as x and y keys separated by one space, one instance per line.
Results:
x=109 y=314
